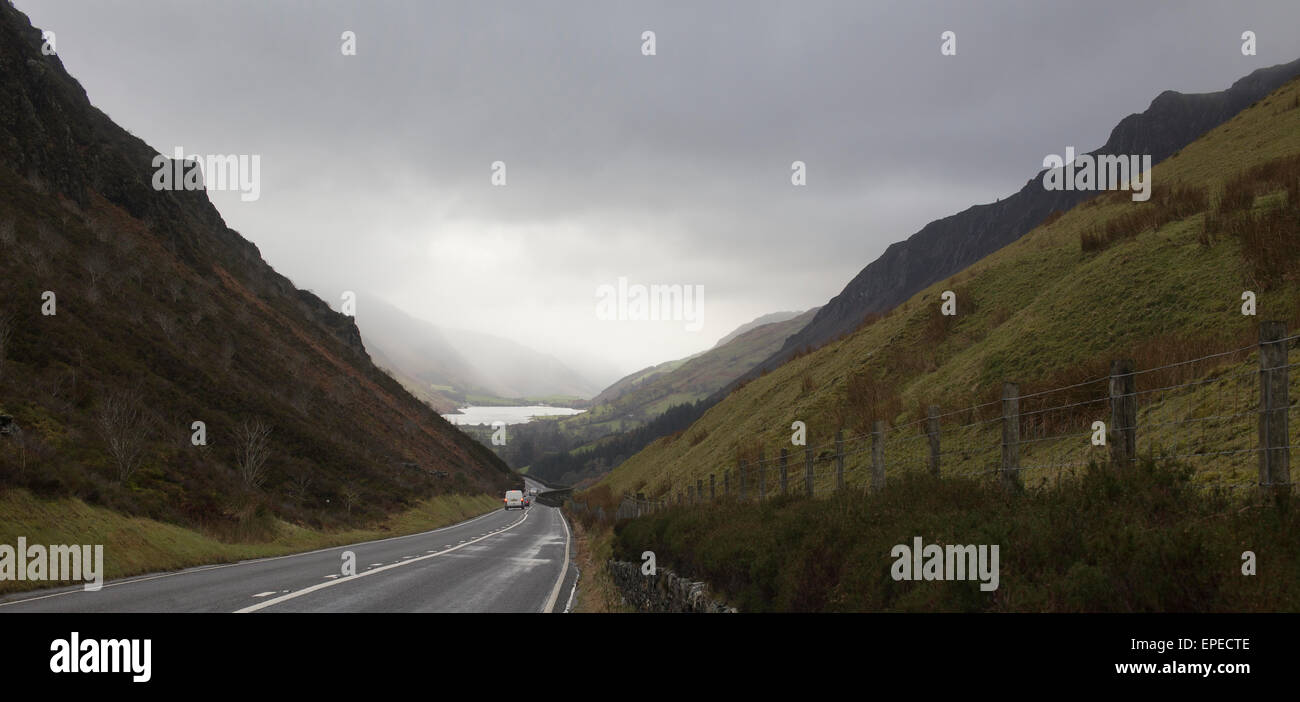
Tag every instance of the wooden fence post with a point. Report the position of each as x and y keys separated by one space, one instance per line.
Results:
x=1123 y=414
x=726 y=483
x=839 y=459
x=932 y=428
x=808 y=469
x=699 y=490
x=742 y=468
x=712 y=489
x=877 y=455
x=784 y=478
x=1010 y=434
x=1274 y=454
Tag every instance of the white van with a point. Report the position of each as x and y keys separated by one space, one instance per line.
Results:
x=514 y=498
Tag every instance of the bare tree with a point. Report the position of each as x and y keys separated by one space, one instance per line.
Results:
x=299 y=485
x=350 y=496
x=120 y=420
x=253 y=446
x=96 y=266
x=166 y=324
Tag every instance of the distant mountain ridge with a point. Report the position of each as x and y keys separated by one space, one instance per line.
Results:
x=699 y=375
x=444 y=366
x=647 y=404
x=769 y=318
x=946 y=246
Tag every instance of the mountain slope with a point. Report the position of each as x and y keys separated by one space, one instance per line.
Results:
x=646 y=406
x=946 y=246
x=416 y=353
x=511 y=369
x=162 y=317
x=1050 y=310
x=648 y=394
x=734 y=361
x=447 y=366
x=770 y=318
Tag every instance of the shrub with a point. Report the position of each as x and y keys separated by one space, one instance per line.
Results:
x=1139 y=540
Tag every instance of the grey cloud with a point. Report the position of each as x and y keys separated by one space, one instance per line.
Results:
x=672 y=168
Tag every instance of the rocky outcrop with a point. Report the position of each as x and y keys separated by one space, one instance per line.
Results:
x=665 y=591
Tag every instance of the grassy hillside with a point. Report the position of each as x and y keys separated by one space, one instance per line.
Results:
x=135 y=545
x=1158 y=282
x=639 y=408
x=647 y=394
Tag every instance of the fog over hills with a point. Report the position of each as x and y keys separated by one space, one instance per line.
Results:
x=445 y=365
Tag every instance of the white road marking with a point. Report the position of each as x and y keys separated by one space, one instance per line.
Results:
x=331 y=577
x=569 y=607
x=555 y=592
x=264 y=594
x=199 y=569
x=399 y=564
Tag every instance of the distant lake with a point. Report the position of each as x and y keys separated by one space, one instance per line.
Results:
x=509 y=415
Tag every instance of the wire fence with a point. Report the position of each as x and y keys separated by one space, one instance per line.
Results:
x=1233 y=422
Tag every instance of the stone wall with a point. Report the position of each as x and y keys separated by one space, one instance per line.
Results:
x=664 y=591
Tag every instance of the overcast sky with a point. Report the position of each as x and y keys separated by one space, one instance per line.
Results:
x=672 y=168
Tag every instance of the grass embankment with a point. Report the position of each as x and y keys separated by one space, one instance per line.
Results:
x=1141 y=542
x=596 y=590
x=135 y=545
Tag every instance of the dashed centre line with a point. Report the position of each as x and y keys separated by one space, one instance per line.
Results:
x=329 y=583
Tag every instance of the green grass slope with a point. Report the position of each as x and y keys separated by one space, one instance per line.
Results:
x=1158 y=282
x=136 y=545
x=647 y=394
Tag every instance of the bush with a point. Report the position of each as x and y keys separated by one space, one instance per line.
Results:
x=1140 y=540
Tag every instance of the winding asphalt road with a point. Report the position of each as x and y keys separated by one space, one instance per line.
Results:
x=516 y=561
